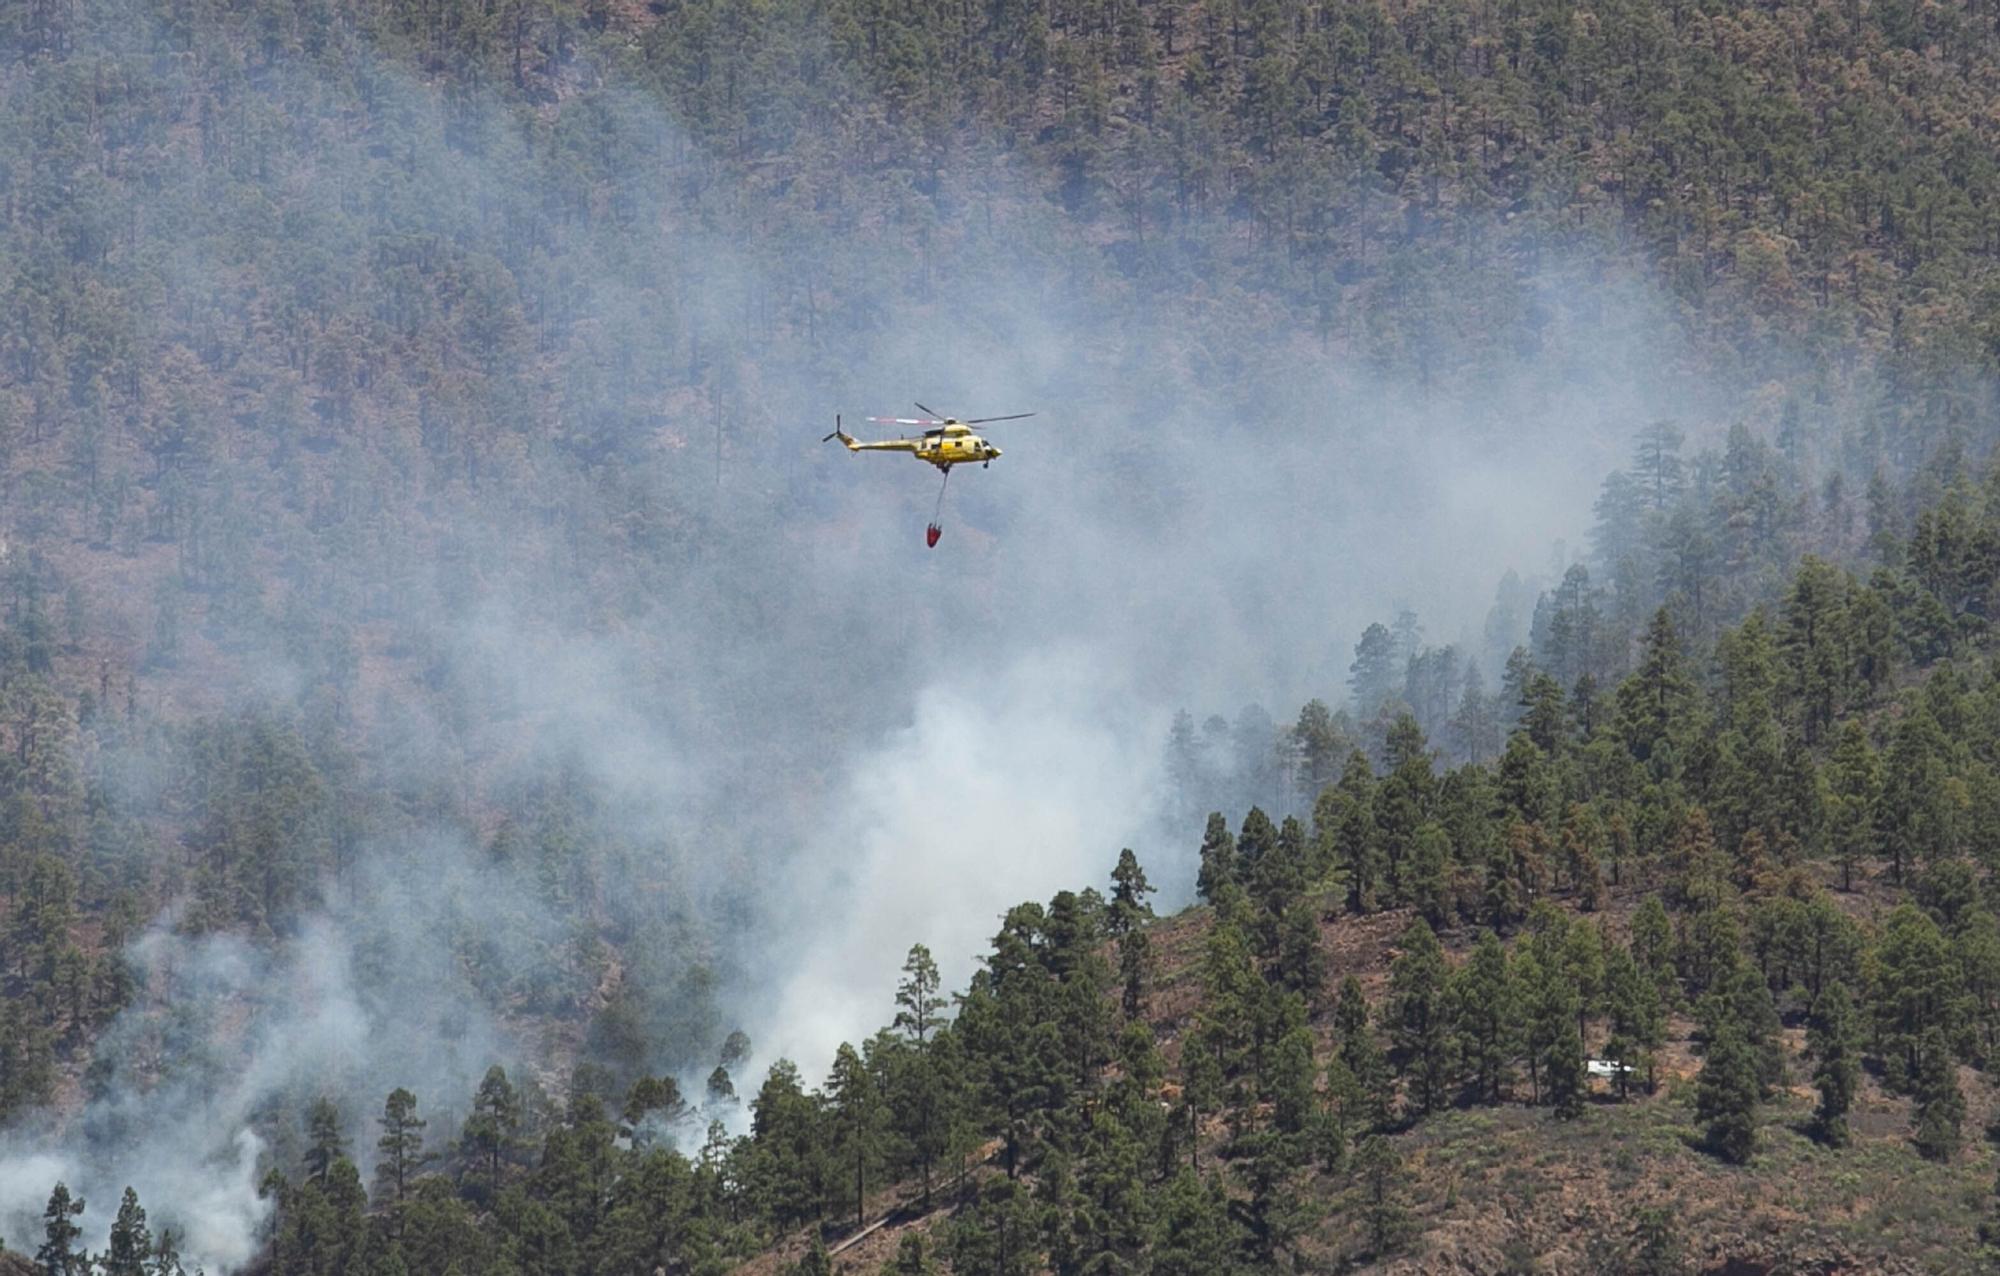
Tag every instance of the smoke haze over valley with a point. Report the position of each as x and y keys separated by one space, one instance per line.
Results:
x=443 y=640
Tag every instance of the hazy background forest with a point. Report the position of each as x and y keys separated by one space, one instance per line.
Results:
x=435 y=637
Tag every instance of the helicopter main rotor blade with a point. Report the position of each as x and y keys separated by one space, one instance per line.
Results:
x=982 y=420
x=932 y=411
x=903 y=420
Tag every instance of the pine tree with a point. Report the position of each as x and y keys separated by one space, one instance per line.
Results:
x=1563 y=1068
x=1355 y=839
x=345 y=1203
x=402 y=1141
x=1726 y=1095
x=1320 y=741
x=1268 y=1165
x=1832 y=1039
x=919 y=997
x=1711 y=948
x=1638 y=1019
x=324 y=1142
x=60 y=1234
x=1134 y=949
x=1429 y=886
x=166 y=1255
x=131 y=1242
x=1581 y=834
x=1136 y=1093
x=578 y=1169
x=786 y=1165
x=1061 y=1202
x=1475 y=726
x=1912 y=817
x=720 y=1089
x=1301 y=965
x=1404 y=802
x=1938 y=1103
x=858 y=1120
x=1376 y=671
x=1657 y=466
x=1202 y=1082
x=1128 y=894
x=1545 y=723
x=1696 y=881
x=1362 y=1055
x=1554 y=1048
x=1802 y=801
x=1855 y=779
x=1749 y=1005
x=1114 y=1210
x=1013 y=1033
x=1826 y=946
x=490 y=1130
x=1218 y=859
x=1486 y=1009
x=1380 y=1170
x=1192 y=1232
x=1916 y=986
x=1583 y=962
x=1255 y=839
x=1420 y=1013
x=27 y=1057
x=1653 y=948
x=1817 y=634
x=1503 y=905
x=1288 y=1082
x=923 y=1079
x=815 y=1261
x=1655 y=704
x=1277 y=880
x=913 y=1257
x=1233 y=988
x=652 y=1105
x=1342 y=1106
x=1976 y=943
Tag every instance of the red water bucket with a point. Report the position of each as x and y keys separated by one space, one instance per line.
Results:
x=931 y=535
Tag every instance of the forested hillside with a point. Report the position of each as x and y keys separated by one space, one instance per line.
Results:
x=432 y=659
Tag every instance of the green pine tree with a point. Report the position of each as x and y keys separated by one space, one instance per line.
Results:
x=1833 y=1042
x=1486 y=1010
x=402 y=1141
x=1938 y=1109
x=131 y=1241
x=58 y=1255
x=1420 y=1014
x=1726 y=1095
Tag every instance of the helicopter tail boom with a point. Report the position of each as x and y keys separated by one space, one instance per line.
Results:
x=842 y=435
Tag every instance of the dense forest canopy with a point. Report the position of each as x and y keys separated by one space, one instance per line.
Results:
x=466 y=752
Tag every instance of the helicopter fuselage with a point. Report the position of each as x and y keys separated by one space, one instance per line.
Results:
x=949 y=450
x=944 y=448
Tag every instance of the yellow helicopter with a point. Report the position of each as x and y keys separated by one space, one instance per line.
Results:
x=945 y=442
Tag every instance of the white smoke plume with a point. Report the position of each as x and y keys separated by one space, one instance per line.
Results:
x=821 y=739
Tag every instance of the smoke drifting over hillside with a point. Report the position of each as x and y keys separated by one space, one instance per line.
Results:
x=811 y=741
